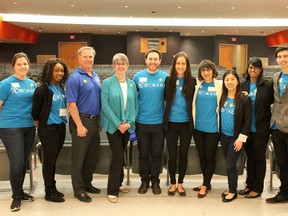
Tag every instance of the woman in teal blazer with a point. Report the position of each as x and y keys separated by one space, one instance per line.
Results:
x=119 y=111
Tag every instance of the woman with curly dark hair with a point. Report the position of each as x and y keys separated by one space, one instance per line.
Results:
x=178 y=123
x=49 y=112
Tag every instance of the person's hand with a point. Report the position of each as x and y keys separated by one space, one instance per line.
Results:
x=81 y=131
x=245 y=93
x=237 y=145
x=123 y=127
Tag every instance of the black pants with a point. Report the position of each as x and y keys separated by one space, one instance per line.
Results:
x=150 y=140
x=255 y=149
x=175 y=131
x=118 y=143
x=280 y=142
x=52 y=138
x=84 y=153
x=206 y=145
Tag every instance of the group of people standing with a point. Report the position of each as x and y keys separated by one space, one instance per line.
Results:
x=157 y=106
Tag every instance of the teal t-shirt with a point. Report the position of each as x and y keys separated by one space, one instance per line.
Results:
x=227 y=117
x=179 y=111
x=17 y=96
x=150 y=89
x=206 y=104
x=58 y=102
x=252 y=94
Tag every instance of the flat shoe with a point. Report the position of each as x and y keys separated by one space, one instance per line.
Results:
x=199 y=188
x=182 y=193
x=249 y=196
x=229 y=200
x=112 y=198
x=123 y=189
x=244 y=191
x=171 y=193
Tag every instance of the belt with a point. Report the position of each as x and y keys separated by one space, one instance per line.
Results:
x=89 y=116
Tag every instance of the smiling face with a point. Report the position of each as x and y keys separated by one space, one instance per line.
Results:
x=86 y=60
x=207 y=74
x=254 y=72
x=181 y=66
x=57 y=73
x=282 y=60
x=153 y=61
x=120 y=67
x=231 y=82
x=21 y=67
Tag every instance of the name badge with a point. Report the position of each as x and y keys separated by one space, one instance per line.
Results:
x=62 y=112
x=143 y=79
x=280 y=80
x=211 y=89
x=177 y=82
x=15 y=85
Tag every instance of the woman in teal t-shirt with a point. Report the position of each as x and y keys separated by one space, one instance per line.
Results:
x=17 y=129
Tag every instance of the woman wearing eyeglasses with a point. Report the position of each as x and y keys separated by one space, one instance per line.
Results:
x=206 y=116
x=261 y=94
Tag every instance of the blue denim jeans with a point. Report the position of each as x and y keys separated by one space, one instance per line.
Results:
x=231 y=157
x=18 y=143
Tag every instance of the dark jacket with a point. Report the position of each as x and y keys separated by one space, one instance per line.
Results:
x=242 y=116
x=169 y=102
x=264 y=99
x=42 y=102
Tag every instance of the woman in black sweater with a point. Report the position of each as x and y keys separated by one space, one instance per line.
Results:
x=49 y=112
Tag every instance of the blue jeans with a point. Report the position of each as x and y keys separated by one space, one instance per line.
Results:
x=18 y=143
x=231 y=157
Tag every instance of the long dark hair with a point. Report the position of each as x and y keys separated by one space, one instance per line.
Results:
x=47 y=70
x=256 y=62
x=188 y=80
x=225 y=91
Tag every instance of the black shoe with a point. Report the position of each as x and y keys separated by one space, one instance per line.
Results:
x=91 y=189
x=143 y=188
x=16 y=204
x=156 y=188
x=58 y=193
x=223 y=195
x=279 y=198
x=249 y=196
x=170 y=192
x=245 y=191
x=27 y=197
x=54 y=198
x=229 y=200
x=83 y=197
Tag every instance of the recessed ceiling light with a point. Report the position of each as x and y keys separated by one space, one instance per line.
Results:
x=179 y=7
x=126 y=6
x=203 y=31
x=80 y=31
x=232 y=8
x=119 y=32
x=137 y=30
x=72 y=5
x=68 y=29
x=103 y=30
x=15 y=3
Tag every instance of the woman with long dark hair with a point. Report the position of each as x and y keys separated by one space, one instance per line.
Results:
x=49 y=112
x=178 y=122
x=261 y=94
x=235 y=120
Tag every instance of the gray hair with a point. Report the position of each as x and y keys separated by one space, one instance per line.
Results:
x=120 y=57
x=86 y=48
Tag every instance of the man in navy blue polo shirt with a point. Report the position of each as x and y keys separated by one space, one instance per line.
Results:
x=83 y=98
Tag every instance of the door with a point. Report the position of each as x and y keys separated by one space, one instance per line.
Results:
x=68 y=52
x=226 y=56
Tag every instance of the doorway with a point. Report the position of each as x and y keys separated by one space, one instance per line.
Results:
x=68 y=52
x=233 y=56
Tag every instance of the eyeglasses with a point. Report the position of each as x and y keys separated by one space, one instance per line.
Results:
x=203 y=70
x=253 y=68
